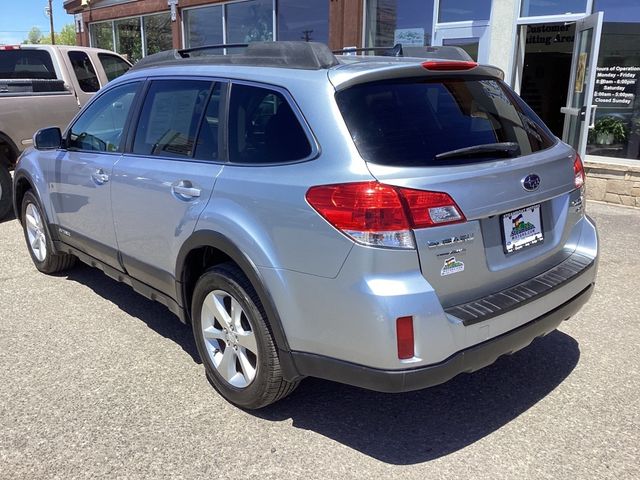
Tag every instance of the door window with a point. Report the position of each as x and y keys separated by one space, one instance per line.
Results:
x=207 y=142
x=100 y=126
x=84 y=71
x=113 y=65
x=263 y=128
x=171 y=117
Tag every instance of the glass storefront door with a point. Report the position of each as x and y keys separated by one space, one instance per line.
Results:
x=579 y=112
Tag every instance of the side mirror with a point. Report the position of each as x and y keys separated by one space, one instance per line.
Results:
x=47 y=139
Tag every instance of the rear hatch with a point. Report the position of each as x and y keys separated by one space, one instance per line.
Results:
x=468 y=135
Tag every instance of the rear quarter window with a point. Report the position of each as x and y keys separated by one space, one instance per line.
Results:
x=410 y=122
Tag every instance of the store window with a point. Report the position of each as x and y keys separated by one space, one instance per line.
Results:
x=203 y=26
x=157 y=33
x=535 y=8
x=409 y=22
x=307 y=20
x=102 y=35
x=250 y=21
x=134 y=37
x=617 y=89
x=463 y=10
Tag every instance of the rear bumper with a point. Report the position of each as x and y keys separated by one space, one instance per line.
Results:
x=468 y=360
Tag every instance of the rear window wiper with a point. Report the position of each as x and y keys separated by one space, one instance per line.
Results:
x=508 y=149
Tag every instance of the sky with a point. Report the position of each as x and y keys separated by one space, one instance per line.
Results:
x=17 y=18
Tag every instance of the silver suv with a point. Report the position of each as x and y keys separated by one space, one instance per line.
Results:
x=385 y=222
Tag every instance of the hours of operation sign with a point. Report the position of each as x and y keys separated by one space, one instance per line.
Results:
x=616 y=86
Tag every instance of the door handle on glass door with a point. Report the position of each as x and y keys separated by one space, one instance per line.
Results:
x=185 y=189
x=100 y=177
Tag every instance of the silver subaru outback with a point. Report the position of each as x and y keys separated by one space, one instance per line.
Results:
x=381 y=221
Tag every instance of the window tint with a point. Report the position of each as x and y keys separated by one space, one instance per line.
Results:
x=408 y=123
x=263 y=128
x=113 y=66
x=26 y=64
x=207 y=143
x=100 y=126
x=170 y=118
x=85 y=73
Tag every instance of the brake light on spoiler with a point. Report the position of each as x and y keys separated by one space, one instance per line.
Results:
x=380 y=215
x=449 y=65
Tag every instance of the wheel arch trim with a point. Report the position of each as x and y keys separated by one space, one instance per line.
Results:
x=209 y=238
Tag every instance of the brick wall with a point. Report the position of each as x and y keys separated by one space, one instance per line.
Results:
x=613 y=183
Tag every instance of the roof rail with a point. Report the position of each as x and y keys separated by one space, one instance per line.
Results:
x=398 y=50
x=300 y=55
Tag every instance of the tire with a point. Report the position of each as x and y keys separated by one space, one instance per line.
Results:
x=38 y=238
x=5 y=191
x=228 y=307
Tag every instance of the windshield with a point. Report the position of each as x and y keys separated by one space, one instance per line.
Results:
x=413 y=122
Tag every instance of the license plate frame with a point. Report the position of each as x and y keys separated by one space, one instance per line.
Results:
x=527 y=234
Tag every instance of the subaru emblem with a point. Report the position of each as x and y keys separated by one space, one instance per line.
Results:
x=531 y=182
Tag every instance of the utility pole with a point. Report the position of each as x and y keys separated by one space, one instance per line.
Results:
x=53 y=35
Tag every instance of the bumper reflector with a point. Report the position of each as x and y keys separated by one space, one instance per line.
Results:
x=404 y=332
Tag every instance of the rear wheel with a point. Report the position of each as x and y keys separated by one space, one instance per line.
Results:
x=234 y=339
x=5 y=191
x=38 y=240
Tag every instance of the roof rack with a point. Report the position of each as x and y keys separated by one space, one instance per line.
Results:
x=398 y=50
x=299 y=55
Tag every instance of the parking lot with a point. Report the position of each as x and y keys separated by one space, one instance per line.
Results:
x=98 y=381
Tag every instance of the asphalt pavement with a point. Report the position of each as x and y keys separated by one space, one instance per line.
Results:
x=97 y=381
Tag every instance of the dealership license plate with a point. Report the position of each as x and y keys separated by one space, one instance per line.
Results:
x=522 y=228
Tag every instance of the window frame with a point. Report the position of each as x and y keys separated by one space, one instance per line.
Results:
x=306 y=128
x=127 y=123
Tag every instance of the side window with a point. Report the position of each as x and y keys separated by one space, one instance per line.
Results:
x=263 y=127
x=113 y=66
x=100 y=126
x=170 y=117
x=84 y=71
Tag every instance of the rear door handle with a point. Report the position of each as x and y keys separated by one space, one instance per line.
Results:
x=184 y=189
x=100 y=177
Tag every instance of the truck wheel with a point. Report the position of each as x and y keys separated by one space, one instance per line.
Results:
x=5 y=191
x=234 y=339
x=38 y=239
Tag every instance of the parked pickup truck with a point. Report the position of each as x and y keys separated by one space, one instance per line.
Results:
x=41 y=86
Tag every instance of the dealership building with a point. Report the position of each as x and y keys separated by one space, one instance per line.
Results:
x=576 y=62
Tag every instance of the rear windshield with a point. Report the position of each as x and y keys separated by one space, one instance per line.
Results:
x=35 y=64
x=410 y=122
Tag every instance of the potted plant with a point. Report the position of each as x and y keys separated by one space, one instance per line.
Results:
x=609 y=129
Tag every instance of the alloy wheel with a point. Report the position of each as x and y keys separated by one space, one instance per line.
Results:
x=229 y=338
x=36 y=232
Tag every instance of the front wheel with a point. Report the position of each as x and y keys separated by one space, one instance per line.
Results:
x=234 y=339
x=38 y=240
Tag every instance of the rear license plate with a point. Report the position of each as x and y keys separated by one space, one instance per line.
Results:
x=522 y=228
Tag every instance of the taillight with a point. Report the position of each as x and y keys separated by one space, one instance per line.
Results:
x=382 y=215
x=578 y=172
x=449 y=65
x=404 y=335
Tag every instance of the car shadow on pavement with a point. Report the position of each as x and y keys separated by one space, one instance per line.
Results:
x=420 y=426
x=401 y=429
x=153 y=314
